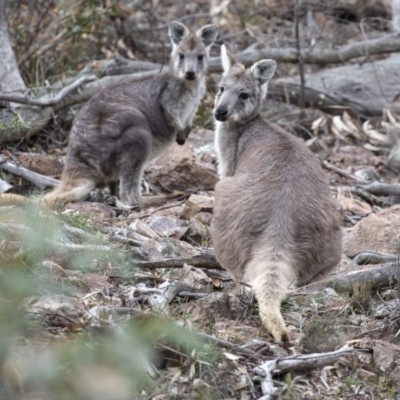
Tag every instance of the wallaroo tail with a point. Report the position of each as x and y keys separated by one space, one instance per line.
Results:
x=121 y=128
x=275 y=223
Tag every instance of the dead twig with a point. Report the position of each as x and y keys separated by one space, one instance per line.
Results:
x=333 y=168
x=41 y=181
x=164 y=207
x=374 y=257
x=385 y=44
x=304 y=362
x=48 y=101
x=382 y=189
x=377 y=277
x=203 y=259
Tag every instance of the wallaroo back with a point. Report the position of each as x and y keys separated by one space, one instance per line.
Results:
x=122 y=127
x=274 y=221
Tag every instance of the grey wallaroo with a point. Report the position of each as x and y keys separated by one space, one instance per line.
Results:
x=122 y=127
x=274 y=222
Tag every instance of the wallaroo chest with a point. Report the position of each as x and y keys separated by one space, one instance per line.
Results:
x=185 y=97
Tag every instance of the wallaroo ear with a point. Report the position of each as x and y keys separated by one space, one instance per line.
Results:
x=177 y=32
x=228 y=59
x=263 y=70
x=207 y=34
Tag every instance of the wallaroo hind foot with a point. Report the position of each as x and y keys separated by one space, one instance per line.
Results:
x=275 y=325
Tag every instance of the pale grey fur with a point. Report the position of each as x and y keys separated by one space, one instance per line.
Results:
x=121 y=128
x=274 y=219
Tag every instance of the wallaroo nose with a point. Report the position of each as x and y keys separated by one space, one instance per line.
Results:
x=221 y=114
x=190 y=75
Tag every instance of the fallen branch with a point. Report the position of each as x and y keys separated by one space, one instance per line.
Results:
x=45 y=100
x=225 y=344
x=41 y=181
x=356 y=191
x=304 y=362
x=382 y=189
x=374 y=257
x=204 y=259
x=383 y=275
x=330 y=103
x=385 y=44
x=333 y=168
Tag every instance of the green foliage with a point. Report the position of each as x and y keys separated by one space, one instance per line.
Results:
x=108 y=360
x=15 y=128
x=54 y=38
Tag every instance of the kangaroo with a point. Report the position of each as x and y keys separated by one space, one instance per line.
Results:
x=121 y=128
x=274 y=221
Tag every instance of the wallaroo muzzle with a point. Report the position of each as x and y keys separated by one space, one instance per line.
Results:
x=221 y=114
x=190 y=75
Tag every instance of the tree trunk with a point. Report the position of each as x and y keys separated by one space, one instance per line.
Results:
x=10 y=78
x=396 y=15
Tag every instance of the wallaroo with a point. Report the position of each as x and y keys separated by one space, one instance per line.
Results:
x=121 y=128
x=274 y=222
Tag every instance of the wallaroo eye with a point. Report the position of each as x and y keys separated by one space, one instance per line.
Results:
x=181 y=56
x=221 y=89
x=200 y=57
x=243 y=96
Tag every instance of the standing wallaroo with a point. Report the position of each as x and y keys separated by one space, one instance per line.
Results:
x=121 y=128
x=274 y=223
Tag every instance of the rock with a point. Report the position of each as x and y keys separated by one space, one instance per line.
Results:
x=355 y=206
x=94 y=209
x=395 y=377
x=175 y=211
x=195 y=277
x=354 y=155
x=385 y=355
x=197 y=203
x=143 y=229
x=4 y=186
x=204 y=217
x=157 y=249
x=367 y=174
x=367 y=376
x=377 y=232
x=168 y=227
x=96 y=282
x=197 y=232
x=55 y=307
x=55 y=268
x=321 y=334
x=386 y=309
x=181 y=169
x=40 y=163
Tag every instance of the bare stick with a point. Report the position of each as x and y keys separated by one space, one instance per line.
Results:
x=385 y=44
x=204 y=259
x=48 y=101
x=304 y=362
x=382 y=189
x=164 y=207
x=377 y=277
x=38 y=180
x=374 y=257
x=330 y=167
